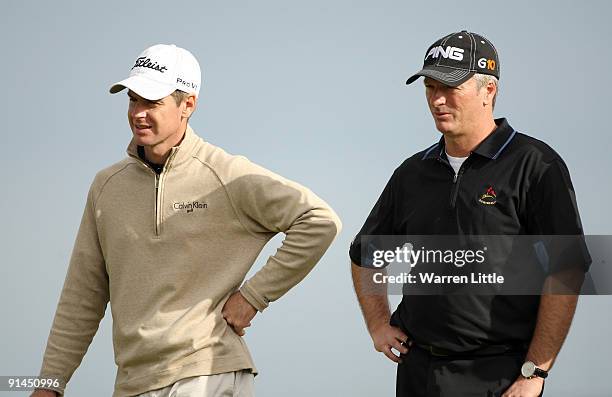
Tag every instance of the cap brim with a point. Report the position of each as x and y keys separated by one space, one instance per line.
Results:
x=144 y=87
x=449 y=76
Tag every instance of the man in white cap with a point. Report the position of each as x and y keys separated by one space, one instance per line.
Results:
x=167 y=237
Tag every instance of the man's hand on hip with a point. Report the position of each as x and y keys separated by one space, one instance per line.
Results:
x=385 y=337
x=238 y=312
x=523 y=387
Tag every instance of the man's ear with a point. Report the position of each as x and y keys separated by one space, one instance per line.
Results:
x=190 y=105
x=490 y=91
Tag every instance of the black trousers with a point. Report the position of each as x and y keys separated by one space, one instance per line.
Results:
x=423 y=375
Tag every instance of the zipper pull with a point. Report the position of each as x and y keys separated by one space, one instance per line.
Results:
x=455 y=179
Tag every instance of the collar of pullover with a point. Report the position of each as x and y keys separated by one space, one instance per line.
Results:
x=178 y=154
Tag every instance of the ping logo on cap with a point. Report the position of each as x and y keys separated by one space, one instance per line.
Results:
x=456 y=57
x=144 y=62
x=454 y=53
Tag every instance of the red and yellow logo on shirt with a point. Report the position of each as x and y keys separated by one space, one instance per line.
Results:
x=489 y=198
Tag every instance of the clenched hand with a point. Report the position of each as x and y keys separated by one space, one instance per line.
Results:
x=238 y=312
x=386 y=337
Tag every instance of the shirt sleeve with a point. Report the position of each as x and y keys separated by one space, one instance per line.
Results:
x=379 y=222
x=267 y=204
x=82 y=303
x=553 y=214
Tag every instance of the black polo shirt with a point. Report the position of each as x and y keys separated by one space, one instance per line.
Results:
x=510 y=184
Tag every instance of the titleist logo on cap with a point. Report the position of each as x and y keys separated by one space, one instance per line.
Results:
x=178 y=70
x=144 y=62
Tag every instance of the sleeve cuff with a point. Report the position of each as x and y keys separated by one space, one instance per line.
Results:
x=355 y=251
x=253 y=297
x=60 y=389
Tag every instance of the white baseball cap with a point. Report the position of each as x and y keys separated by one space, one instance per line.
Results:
x=160 y=70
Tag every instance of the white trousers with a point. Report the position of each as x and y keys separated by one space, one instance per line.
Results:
x=229 y=384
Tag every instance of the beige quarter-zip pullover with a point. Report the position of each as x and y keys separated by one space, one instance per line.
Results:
x=168 y=250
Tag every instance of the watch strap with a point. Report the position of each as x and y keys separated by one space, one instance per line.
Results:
x=540 y=373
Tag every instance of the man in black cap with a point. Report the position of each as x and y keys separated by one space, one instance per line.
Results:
x=481 y=178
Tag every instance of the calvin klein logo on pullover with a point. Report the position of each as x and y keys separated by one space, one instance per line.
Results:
x=189 y=207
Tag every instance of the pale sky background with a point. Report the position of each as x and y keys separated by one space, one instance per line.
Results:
x=312 y=90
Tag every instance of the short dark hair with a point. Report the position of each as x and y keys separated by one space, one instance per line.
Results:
x=179 y=96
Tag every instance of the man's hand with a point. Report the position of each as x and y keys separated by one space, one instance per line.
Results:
x=523 y=387
x=385 y=337
x=374 y=304
x=43 y=393
x=238 y=312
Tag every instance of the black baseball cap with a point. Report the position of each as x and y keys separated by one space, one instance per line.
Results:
x=455 y=58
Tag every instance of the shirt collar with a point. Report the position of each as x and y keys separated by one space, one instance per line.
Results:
x=491 y=147
x=180 y=153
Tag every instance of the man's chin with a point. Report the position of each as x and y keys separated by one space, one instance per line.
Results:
x=444 y=127
x=143 y=139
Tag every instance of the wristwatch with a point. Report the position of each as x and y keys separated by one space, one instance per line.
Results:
x=529 y=370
